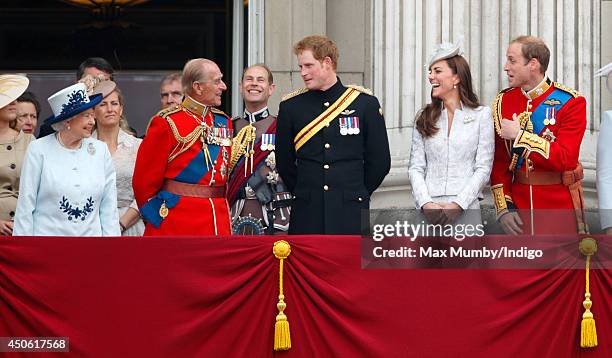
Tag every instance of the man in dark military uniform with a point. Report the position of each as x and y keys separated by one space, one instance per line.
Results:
x=259 y=201
x=332 y=147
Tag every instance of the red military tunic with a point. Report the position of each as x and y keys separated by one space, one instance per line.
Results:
x=549 y=141
x=173 y=150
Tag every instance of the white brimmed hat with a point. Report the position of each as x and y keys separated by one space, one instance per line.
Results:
x=71 y=101
x=11 y=87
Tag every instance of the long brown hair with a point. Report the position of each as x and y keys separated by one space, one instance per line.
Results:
x=428 y=116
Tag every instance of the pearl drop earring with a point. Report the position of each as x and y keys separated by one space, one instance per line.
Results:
x=455 y=86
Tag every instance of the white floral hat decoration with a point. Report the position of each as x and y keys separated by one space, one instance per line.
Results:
x=605 y=71
x=445 y=50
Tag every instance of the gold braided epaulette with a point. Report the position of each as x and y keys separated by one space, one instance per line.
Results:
x=294 y=93
x=218 y=111
x=164 y=113
x=361 y=89
x=569 y=90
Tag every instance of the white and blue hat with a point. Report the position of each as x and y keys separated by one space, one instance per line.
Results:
x=71 y=101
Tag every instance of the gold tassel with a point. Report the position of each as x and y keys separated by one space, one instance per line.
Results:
x=588 y=332
x=282 y=336
x=243 y=144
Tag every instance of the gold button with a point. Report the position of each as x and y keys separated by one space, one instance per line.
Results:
x=326 y=166
x=327 y=145
x=325 y=187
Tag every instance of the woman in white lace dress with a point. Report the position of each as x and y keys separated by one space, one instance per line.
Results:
x=452 y=144
x=604 y=159
x=112 y=129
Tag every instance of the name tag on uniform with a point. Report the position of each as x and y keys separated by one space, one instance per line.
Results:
x=349 y=125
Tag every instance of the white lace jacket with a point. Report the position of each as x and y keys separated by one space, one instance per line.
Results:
x=604 y=170
x=458 y=164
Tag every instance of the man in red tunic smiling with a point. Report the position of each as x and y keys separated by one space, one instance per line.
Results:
x=182 y=164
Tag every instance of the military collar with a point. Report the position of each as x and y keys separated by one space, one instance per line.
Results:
x=194 y=106
x=335 y=91
x=539 y=89
x=257 y=116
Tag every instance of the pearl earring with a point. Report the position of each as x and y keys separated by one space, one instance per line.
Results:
x=455 y=86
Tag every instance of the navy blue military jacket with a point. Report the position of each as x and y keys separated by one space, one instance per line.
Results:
x=333 y=175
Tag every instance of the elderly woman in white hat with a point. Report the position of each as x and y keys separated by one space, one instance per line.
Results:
x=452 y=143
x=13 y=145
x=604 y=159
x=112 y=129
x=68 y=180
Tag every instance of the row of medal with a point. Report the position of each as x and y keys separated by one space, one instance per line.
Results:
x=219 y=136
x=550 y=116
x=349 y=125
x=268 y=142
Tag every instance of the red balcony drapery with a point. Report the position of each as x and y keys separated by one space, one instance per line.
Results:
x=216 y=297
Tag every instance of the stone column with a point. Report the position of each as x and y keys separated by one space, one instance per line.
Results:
x=286 y=22
x=345 y=21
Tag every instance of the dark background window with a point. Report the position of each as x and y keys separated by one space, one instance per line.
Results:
x=47 y=40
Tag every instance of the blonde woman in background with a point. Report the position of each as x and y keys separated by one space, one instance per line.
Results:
x=13 y=145
x=112 y=129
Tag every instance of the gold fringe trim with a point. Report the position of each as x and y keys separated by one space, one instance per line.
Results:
x=569 y=90
x=294 y=93
x=361 y=89
x=282 y=335
x=588 y=331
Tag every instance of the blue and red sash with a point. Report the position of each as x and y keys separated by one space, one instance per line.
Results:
x=238 y=179
x=192 y=174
